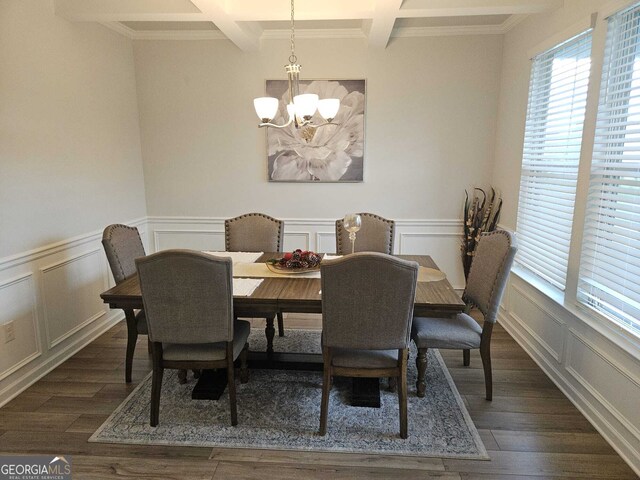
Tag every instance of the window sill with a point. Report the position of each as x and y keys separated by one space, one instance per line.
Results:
x=614 y=332
x=539 y=284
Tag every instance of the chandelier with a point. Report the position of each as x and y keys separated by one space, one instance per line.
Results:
x=301 y=108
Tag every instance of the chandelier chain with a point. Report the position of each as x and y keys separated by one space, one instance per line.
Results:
x=293 y=58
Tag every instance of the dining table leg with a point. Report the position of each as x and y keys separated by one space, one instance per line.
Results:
x=270 y=333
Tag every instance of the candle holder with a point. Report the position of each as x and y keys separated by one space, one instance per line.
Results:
x=352 y=224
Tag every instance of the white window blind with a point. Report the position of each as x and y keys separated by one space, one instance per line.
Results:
x=609 y=279
x=553 y=136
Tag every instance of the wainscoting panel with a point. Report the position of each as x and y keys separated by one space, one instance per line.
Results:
x=295 y=240
x=193 y=239
x=443 y=246
x=541 y=325
x=326 y=241
x=71 y=292
x=18 y=312
x=51 y=298
x=438 y=238
x=600 y=377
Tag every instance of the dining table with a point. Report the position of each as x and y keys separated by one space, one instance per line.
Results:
x=285 y=293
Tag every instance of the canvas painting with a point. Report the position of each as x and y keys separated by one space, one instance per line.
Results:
x=330 y=153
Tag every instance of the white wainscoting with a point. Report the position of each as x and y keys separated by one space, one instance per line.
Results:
x=438 y=238
x=52 y=297
x=597 y=375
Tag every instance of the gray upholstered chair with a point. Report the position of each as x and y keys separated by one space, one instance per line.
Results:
x=188 y=300
x=253 y=232
x=485 y=286
x=367 y=306
x=375 y=235
x=256 y=232
x=123 y=245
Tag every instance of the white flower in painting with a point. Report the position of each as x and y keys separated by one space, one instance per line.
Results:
x=327 y=156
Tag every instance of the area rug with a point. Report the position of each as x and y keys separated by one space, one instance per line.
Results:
x=281 y=410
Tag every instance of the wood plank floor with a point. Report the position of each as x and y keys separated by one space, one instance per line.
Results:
x=530 y=429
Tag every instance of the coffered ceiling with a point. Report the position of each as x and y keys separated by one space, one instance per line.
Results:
x=247 y=22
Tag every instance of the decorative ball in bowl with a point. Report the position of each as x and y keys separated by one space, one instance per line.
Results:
x=296 y=261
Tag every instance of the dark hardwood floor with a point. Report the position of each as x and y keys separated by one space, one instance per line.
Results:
x=530 y=429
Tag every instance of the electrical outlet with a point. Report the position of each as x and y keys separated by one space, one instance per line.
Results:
x=9 y=332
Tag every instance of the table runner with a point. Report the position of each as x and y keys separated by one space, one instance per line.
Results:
x=237 y=257
x=260 y=270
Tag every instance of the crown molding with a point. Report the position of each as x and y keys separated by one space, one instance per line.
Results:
x=119 y=28
x=165 y=34
x=512 y=21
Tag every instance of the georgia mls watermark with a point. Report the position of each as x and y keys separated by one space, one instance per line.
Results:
x=35 y=467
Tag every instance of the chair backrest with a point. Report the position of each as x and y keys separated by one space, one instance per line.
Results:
x=489 y=272
x=123 y=245
x=187 y=296
x=367 y=301
x=375 y=235
x=253 y=232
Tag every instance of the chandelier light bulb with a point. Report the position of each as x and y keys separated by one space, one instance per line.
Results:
x=328 y=108
x=266 y=108
x=306 y=105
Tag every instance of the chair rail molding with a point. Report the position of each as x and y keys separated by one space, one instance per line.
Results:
x=435 y=237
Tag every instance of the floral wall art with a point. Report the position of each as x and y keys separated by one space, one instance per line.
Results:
x=331 y=153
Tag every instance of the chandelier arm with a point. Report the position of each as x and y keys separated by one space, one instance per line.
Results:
x=273 y=125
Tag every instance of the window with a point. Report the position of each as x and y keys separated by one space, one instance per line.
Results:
x=553 y=137
x=609 y=279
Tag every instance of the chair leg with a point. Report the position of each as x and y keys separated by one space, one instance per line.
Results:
x=132 y=339
x=280 y=324
x=244 y=370
x=421 y=363
x=466 y=357
x=485 y=354
x=326 y=387
x=402 y=394
x=231 y=385
x=156 y=384
x=149 y=347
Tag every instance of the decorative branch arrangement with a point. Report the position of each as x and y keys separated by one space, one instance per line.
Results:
x=481 y=214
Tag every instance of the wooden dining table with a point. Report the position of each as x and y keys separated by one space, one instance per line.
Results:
x=297 y=295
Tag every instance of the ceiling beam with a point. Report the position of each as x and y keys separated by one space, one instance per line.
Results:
x=127 y=10
x=270 y=10
x=452 y=8
x=384 y=17
x=244 y=36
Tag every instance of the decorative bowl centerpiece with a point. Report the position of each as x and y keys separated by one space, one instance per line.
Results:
x=298 y=261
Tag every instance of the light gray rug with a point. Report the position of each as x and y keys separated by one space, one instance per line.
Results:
x=281 y=410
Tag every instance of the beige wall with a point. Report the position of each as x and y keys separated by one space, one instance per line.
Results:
x=430 y=126
x=70 y=158
x=70 y=163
